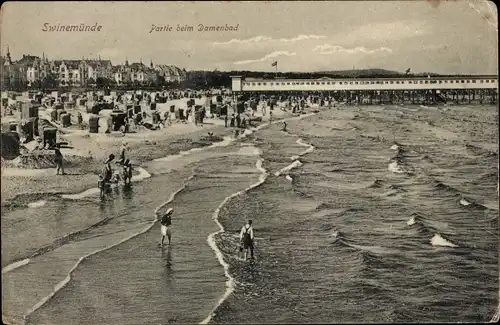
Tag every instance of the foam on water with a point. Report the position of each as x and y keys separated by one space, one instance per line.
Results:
x=302 y=143
x=395 y=168
x=15 y=265
x=464 y=202
x=37 y=204
x=211 y=241
x=437 y=240
x=394 y=147
x=286 y=169
x=411 y=221
x=289 y=178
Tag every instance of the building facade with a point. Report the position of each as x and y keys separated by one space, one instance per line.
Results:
x=31 y=70
x=242 y=84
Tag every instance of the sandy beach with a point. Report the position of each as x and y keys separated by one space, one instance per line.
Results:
x=89 y=151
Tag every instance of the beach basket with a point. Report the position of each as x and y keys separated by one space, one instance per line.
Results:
x=65 y=119
x=53 y=115
x=181 y=114
x=153 y=106
x=49 y=135
x=93 y=124
x=240 y=107
x=95 y=109
x=13 y=127
x=33 y=125
x=156 y=118
x=59 y=113
x=29 y=111
x=172 y=109
x=10 y=144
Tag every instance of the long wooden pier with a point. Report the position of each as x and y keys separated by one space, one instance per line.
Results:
x=410 y=90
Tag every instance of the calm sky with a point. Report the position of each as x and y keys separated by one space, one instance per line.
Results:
x=437 y=36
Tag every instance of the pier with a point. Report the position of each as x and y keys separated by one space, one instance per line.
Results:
x=402 y=90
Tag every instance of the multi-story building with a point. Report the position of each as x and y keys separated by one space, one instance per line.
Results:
x=171 y=73
x=36 y=69
x=95 y=69
x=142 y=74
x=135 y=73
x=69 y=72
x=31 y=69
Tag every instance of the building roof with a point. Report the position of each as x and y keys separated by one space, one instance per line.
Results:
x=28 y=59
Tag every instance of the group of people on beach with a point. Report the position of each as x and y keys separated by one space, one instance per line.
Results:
x=109 y=176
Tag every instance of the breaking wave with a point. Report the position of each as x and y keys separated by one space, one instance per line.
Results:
x=438 y=240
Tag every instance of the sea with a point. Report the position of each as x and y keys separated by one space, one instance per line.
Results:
x=371 y=214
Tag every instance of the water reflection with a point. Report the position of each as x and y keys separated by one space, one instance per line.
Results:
x=166 y=255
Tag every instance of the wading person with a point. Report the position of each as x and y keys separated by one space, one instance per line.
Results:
x=246 y=238
x=58 y=159
x=107 y=171
x=166 y=223
x=127 y=172
x=123 y=151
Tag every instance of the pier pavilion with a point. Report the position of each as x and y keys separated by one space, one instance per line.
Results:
x=417 y=90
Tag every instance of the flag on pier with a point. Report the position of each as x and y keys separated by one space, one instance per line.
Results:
x=408 y=71
x=275 y=63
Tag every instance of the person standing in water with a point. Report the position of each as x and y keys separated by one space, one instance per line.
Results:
x=123 y=151
x=247 y=239
x=166 y=223
x=58 y=159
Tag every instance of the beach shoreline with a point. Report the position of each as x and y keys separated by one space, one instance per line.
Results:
x=21 y=186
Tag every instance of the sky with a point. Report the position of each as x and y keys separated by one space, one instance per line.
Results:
x=427 y=36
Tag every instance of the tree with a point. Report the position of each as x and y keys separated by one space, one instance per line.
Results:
x=103 y=82
x=49 y=81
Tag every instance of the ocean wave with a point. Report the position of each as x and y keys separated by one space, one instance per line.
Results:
x=66 y=280
x=378 y=183
x=342 y=241
x=471 y=205
x=396 y=168
x=480 y=151
x=422 y=225
x=212 y=243
x=438 y=240
x=444 y=187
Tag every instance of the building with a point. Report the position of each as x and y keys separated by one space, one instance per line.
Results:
x=430 y=90
x=69 y=72
x=94 y=69
x=36 y=69
x=171 y=73
x=30 y=70
x=242 y=84
x=142 y=74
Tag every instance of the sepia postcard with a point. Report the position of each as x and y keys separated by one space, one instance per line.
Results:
x=265 y=162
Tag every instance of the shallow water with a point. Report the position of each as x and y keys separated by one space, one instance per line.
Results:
x=341 y=235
